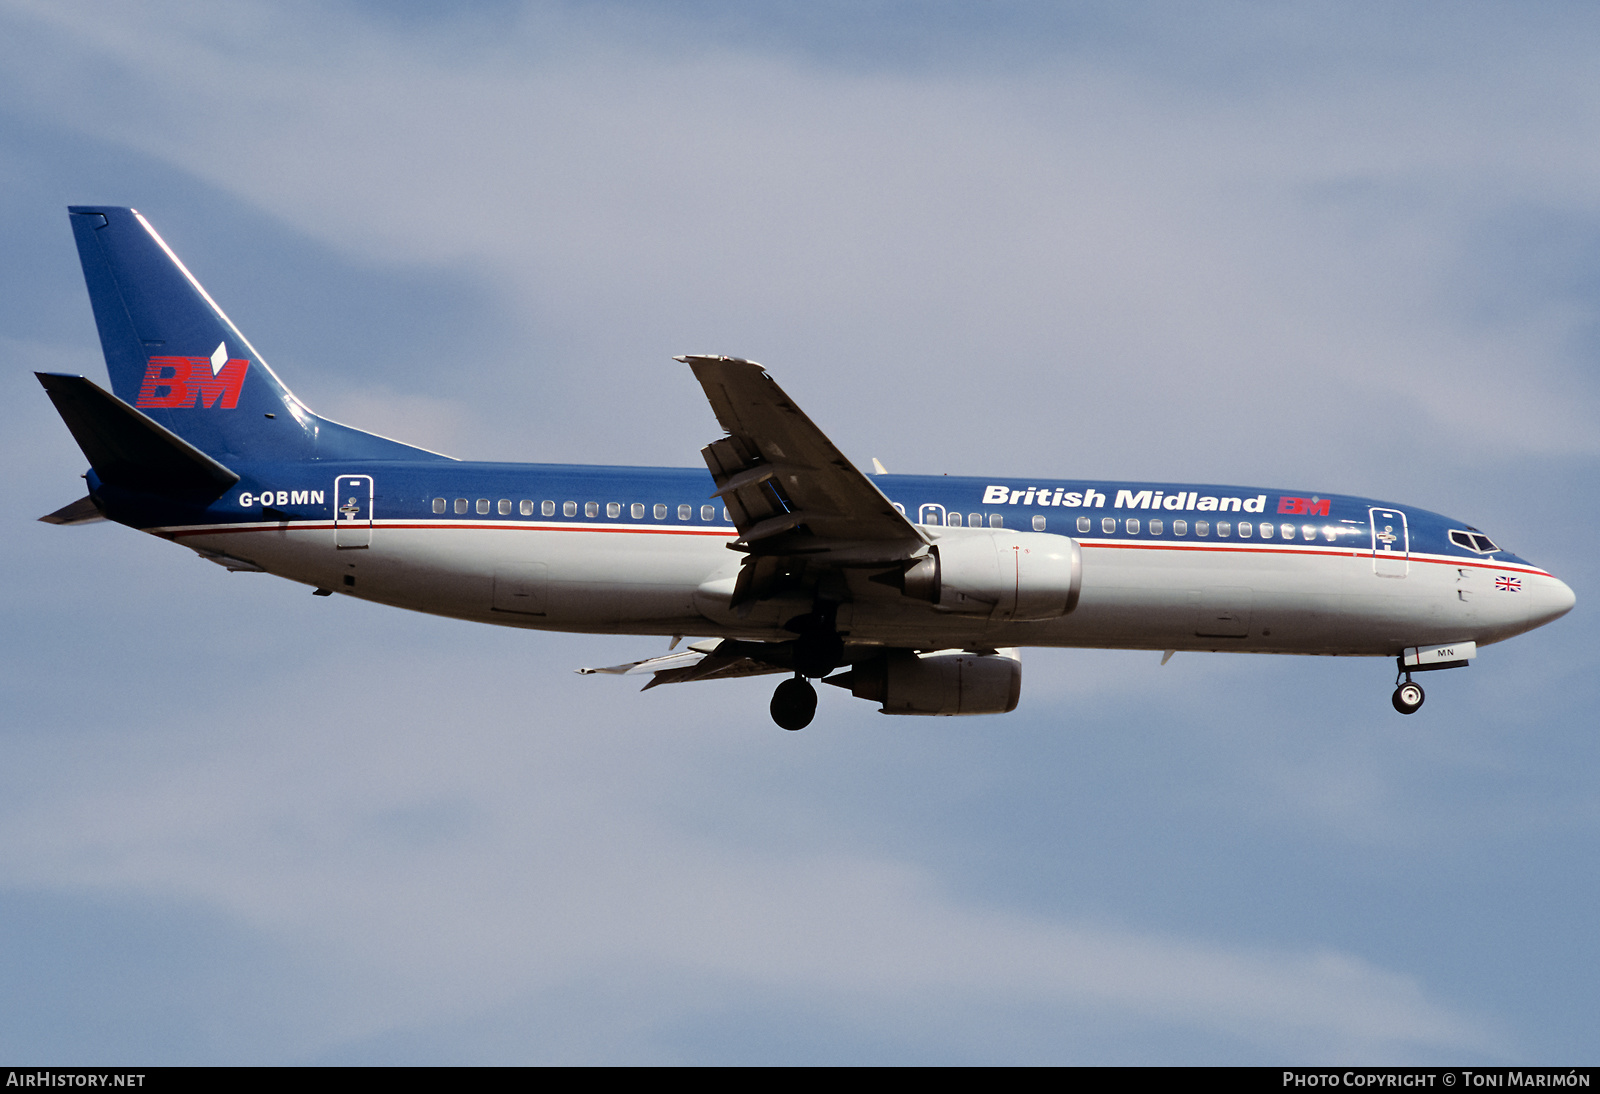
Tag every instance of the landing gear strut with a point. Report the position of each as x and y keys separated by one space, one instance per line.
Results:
x=794 y=704
x=818 y=650
x=1408 y=696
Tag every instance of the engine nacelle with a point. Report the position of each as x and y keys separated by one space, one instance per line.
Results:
x=938 y=682
x=1012 y=575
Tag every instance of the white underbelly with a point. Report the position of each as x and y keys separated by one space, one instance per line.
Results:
x=670 y=582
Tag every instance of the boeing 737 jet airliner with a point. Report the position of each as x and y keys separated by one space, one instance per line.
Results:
x=914 y=592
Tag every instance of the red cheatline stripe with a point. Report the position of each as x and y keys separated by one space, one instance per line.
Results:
x=1334 y=552
x=1240 y=549
x=308 y=526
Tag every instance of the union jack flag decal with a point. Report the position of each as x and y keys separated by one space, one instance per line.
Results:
x=1508 y=584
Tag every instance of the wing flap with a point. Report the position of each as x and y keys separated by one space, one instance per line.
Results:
x=701 y=661
x=782 y=479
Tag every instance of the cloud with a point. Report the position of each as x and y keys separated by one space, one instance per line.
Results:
x=1248 y=248
x=1158 y=258
x=450 y=851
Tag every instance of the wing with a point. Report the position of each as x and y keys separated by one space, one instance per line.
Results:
x=799 y=505
x=710 y=660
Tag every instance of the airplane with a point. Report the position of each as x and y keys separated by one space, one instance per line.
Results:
x=913 y=592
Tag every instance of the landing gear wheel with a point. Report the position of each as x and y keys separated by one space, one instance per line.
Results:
x=794 y=704
x=1408 y=698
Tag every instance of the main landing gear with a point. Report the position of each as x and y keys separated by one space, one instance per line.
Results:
x=817 y=651
x=794 y=704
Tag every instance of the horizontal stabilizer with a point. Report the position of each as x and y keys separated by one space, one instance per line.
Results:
x=82 y=511
x=128 y=449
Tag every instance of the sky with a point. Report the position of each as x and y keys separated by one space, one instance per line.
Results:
x=1345 y=248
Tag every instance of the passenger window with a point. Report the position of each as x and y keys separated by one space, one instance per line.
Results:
x=613 y=509
x=1224 y=529
x=505 y=507
x=438 y=505
x=955 y=520
x=1133 y=526
x=1202 y=527
x=996 y=520
x=1180 y=527
x=1155 y=527
x=1266 y=530
x=569 y=508
x=591 y=509
x=1245 y=530
x=685 y=512
x=483 y=505
x=461 y=505
x=1108 y=524
x=1038 y=523
x=974 y=520
x=1084 y=524
x=725 y=518
x=1308 y=532
x=1330 y=533
x=547 y=508
x=636 y=510
x=708 y=512
x=660 y=511
x=1287 y=530
x=525 y=507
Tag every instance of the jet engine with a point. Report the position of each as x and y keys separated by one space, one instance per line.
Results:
x=937 y=682
x=1017 y=576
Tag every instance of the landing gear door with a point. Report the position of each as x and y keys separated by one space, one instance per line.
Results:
x=352 y=511
x=1391 y=543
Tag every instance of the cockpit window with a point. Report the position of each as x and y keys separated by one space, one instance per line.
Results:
x=1476 y=542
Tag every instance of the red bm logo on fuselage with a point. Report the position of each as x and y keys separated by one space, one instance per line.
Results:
x=179 y=381
x=1311 y=507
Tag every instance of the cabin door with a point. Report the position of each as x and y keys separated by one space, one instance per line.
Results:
x=352 y=511
x=1391 y=543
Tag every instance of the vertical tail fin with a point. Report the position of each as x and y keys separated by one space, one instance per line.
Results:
x=173 y=354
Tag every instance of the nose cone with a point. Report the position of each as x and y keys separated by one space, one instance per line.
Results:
x=1552 y=599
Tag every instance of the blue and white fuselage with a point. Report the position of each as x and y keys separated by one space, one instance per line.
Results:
x=641 y=550
x=918 y=587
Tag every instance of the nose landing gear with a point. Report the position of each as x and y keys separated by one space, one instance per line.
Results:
x=1451 y=655
x=1408 y=698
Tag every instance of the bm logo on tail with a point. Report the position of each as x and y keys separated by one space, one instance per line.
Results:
x=178 y=381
